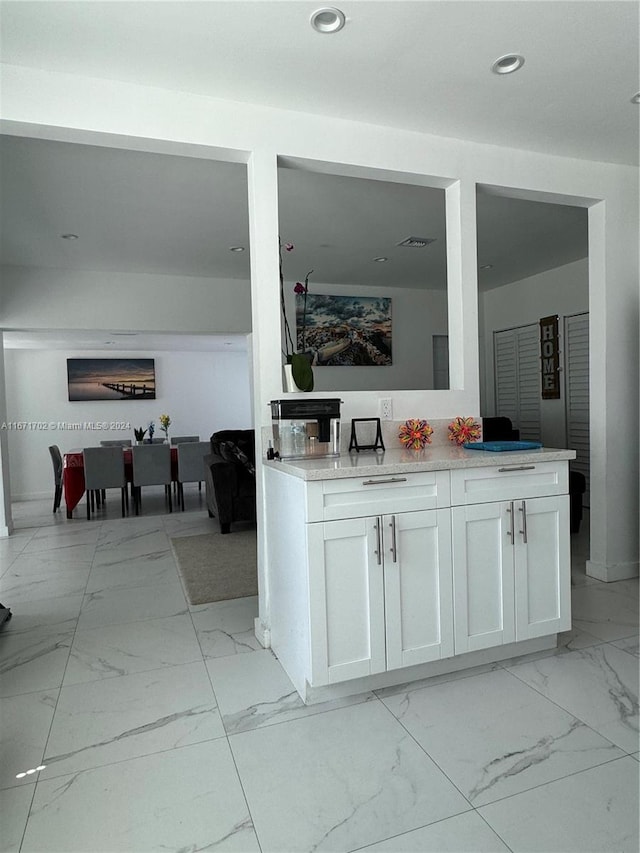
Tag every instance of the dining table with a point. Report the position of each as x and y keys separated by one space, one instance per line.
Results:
x=73 y=474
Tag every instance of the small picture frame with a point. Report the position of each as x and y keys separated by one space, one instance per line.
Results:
x=362 y=430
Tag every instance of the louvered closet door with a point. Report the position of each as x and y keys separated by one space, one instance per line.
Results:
x=576 y=356
x=517 y=374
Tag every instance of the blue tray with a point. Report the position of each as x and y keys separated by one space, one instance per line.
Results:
x=501 y=446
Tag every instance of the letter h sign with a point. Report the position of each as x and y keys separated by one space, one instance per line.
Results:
x=550 y=358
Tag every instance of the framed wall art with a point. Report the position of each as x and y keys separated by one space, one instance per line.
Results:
x=111 y=379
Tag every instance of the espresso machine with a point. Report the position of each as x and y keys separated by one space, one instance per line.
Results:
x=305 y=428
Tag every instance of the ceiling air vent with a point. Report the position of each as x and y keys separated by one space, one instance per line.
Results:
x=416 y=242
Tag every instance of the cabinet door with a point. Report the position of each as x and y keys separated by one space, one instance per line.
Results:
x=346 y=600
x=417 y=581
x=542 y=567
x=483 y=585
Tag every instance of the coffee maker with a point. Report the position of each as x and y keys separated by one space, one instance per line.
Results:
x=306 y=428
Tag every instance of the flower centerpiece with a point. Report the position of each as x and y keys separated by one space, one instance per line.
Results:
x=139 y=433
x=151 y=429
x=165 y=423
x=301 y=368
x=464 y=430
x=415 y=434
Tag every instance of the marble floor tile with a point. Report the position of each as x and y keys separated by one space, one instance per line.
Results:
x=339 y=780
x=493 y=736
x=595 y=811
x=603 y=612
x=45 y=563
x=113 y=650
x=73 y=553
x=629 y=645
x=410 y=686
x=60 y=537
x=184 y=799
x=226 y=627
x=118 y=606
x=16 y=590
x=135 y=542
x=190 y=524
x=254 y=691
x=465 y=833
x=105 y=721
x=14 y=811
x=159 y=567
x=568 y=641
x=26 y=721
x=599 y=685
x=33 y=661
x=45 y=614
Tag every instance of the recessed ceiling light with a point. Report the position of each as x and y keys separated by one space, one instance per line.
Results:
x=236 y=248
x=508 y=64
x=327 y=20
x=69 y=236
x=636 y=98
x=380 y=260
x=486 y=266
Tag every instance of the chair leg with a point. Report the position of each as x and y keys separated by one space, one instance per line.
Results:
x=123 y=493
x=89 y=495
x=170 y=503
x=181 y=489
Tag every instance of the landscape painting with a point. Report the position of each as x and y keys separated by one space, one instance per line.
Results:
x=344 y=330
x=111 y=379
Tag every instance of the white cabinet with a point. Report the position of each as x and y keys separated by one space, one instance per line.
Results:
x=511 y=570
x=379 y=593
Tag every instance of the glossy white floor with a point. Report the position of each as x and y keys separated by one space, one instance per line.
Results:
x=159 y=726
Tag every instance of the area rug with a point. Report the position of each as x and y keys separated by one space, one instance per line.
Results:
x=216 y=566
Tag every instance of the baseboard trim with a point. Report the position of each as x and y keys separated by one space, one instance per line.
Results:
x=613 y=571
x=263 y=634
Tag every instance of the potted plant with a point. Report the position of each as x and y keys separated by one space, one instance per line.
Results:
x=139 y=433
x=300 y=362
x=165 y=423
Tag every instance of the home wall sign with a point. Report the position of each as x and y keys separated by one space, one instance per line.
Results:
x=550 y=358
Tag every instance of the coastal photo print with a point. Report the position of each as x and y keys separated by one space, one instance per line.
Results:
x=345 y=330
x=111 y=379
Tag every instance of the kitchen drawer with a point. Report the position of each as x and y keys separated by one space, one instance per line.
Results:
x=385 y=493
x=507 y=482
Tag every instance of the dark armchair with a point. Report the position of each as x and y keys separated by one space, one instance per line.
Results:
x=230 y=478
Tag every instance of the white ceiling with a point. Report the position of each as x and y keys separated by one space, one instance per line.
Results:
x=418 y=65
x=72 y=339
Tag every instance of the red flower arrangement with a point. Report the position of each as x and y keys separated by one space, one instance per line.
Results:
x=415 y=434
x=463 y=430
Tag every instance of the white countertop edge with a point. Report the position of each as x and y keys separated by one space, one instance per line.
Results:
x=402 y=461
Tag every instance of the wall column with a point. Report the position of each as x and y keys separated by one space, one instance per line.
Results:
x=6 y=520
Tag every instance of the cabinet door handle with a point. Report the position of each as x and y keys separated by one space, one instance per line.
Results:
x=381 y=482
x=378 y=551
x=523 y=510
x=394 y=552
x=517 y=468
x=511 y=531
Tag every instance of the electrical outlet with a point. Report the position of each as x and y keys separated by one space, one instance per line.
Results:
x=386 y=408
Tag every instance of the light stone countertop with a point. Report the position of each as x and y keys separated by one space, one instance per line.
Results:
x=369 y=463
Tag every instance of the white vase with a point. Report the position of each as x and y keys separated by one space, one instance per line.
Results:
x=289 y=384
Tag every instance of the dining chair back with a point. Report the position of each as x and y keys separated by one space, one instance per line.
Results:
x=120 y=442
x=191 y=464
x=151 y=467
x=56 y=460
x=182 y=439
x=104 y=469
x=157 y=441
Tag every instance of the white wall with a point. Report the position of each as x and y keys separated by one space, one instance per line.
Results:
x=36 y=298
x=561 y=291
x=74 y=108
x=416 y=315
x=201 y=391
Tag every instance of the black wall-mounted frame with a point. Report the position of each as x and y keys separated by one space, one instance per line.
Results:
x=354 y=443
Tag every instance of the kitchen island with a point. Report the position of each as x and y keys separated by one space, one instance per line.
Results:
x=396 y=566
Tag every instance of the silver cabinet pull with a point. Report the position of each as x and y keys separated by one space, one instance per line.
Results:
x=523 y=510
x=511 y=531
x=381 y=482
x=378 y=551
x=394 y=552
x=517 y=468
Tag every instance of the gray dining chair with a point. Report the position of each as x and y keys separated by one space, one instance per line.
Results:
x=157 y=441
x=181 y=439
x=56 y=460
x=104 y=469
x=151 y=467
x=120 y=442
x=191 y=464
